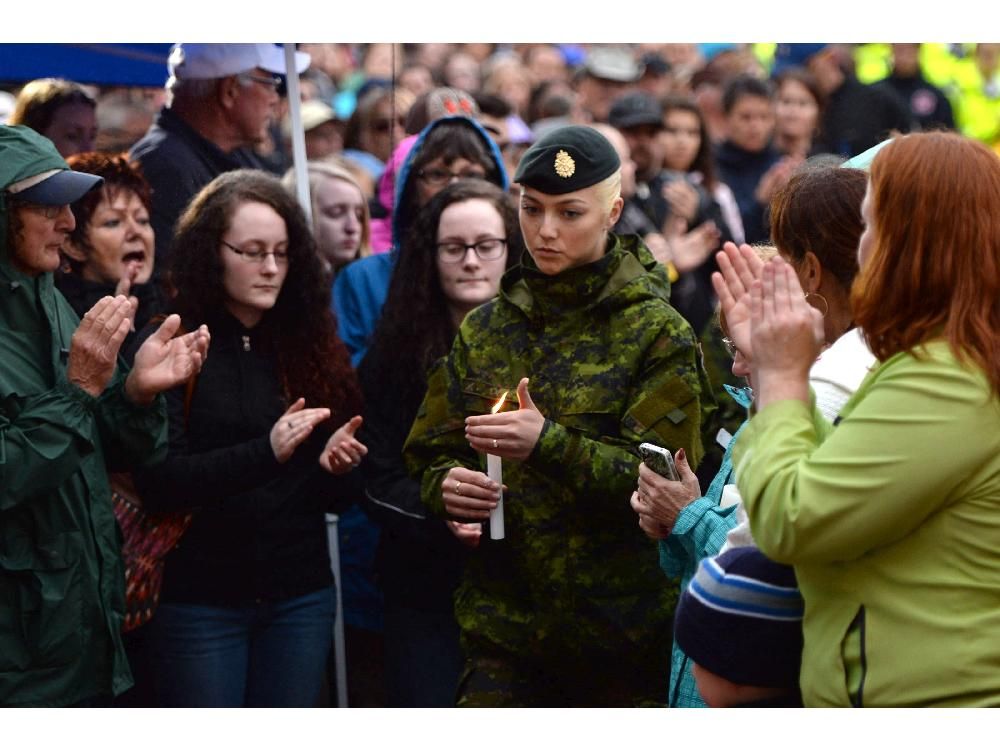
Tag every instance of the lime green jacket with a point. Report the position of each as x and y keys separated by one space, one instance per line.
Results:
x=892 y=521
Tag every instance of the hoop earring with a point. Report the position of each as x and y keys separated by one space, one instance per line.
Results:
x=826 y=305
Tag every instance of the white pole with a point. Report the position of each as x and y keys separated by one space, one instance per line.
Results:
x=298 y=135
x=339 y=645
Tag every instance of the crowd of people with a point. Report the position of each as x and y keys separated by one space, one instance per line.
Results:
x=780 y=263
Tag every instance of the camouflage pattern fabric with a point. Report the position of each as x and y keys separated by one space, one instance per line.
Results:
x=611 y=365
x=599 y=680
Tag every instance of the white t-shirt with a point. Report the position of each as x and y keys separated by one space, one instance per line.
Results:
x=834 y=377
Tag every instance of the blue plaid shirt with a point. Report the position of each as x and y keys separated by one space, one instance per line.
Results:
x=700 y=532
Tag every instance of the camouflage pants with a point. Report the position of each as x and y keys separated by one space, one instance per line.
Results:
x=497 y=680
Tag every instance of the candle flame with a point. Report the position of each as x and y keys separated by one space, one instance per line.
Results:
x=499 y=404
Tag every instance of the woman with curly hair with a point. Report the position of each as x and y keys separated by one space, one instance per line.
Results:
x=460 y=245
x=248 y=602
x=110 y=251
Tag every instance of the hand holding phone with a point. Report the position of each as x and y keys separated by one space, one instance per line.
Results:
x=659 y=460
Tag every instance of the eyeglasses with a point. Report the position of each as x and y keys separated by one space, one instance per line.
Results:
x=258 y=256
x=439 y=177
x=274 y=82
x=730 y=347
x=49 y=212
x=384 y=126
x=454 y=252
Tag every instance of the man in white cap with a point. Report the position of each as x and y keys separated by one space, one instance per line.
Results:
x=222 y=100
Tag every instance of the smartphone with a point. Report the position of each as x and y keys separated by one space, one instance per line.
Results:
x=659 y=460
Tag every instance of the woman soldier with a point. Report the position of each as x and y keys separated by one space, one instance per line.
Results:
x=569 y=609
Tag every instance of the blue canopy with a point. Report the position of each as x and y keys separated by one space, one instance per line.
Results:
x=100 y=64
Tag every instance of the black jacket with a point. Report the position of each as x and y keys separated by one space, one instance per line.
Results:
x=742 y=170
x=929 y=107
x=178 y=162
x=858 y=117
x=258 y=531
x=419 y=562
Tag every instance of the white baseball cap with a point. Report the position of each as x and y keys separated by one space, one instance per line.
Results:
x=200 y=61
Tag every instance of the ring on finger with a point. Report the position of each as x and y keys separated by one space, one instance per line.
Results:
x=458 y=487
x=496 y=443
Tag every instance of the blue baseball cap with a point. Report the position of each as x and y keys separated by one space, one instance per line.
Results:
x=795 y=55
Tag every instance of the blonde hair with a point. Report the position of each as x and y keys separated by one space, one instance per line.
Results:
x=325 y=169
x=764 y=251
x=610 y=189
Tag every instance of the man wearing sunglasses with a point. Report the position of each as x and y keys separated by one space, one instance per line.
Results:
x=222 y=98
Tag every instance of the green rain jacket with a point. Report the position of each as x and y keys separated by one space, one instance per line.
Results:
x=61 y=576
x=611 y=365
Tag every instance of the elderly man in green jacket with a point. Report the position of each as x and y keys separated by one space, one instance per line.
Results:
x=68 y=412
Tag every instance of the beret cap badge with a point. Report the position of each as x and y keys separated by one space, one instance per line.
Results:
x=564 y=164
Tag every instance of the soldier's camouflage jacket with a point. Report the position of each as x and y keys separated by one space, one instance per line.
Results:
x=611 y=365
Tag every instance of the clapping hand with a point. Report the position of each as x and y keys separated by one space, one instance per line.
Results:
x=123 y=288
x=688 y=250
x=293 y=427
x=786 y=335
x=739 y=267
x=164 y=361
x=93 y=351
x=343 y=450
x=683 y=199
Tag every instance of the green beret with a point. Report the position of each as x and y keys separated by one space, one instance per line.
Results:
x=567 y=159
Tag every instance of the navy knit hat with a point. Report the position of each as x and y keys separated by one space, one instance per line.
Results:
x=741 y=618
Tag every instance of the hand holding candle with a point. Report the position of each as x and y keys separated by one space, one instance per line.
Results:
x=511 y=434
x=507 y=434
x=468 y=495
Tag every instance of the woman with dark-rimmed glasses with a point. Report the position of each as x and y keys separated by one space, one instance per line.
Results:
x=460 y=245
x=247 y=605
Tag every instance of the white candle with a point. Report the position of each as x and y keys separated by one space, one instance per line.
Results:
x=495 y=473
x=494 y=470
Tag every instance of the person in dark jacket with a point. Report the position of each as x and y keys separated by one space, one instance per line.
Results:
x=452 y=260
x=247 y=604
x=447 y=149
x=747 y=160
x=856 y=116
x=223 y=100
x=68 y=409
x=929 y=106
x=110 y=251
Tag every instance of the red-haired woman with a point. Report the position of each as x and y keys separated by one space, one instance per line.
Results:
x=110 y=251
x=892 y=518
x=247 y=605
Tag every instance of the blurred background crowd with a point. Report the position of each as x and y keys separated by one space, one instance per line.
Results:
x=707 y=134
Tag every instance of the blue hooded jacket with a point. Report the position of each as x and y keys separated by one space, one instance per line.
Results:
x=360 y=289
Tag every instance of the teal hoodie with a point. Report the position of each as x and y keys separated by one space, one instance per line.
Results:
x=61 y=575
